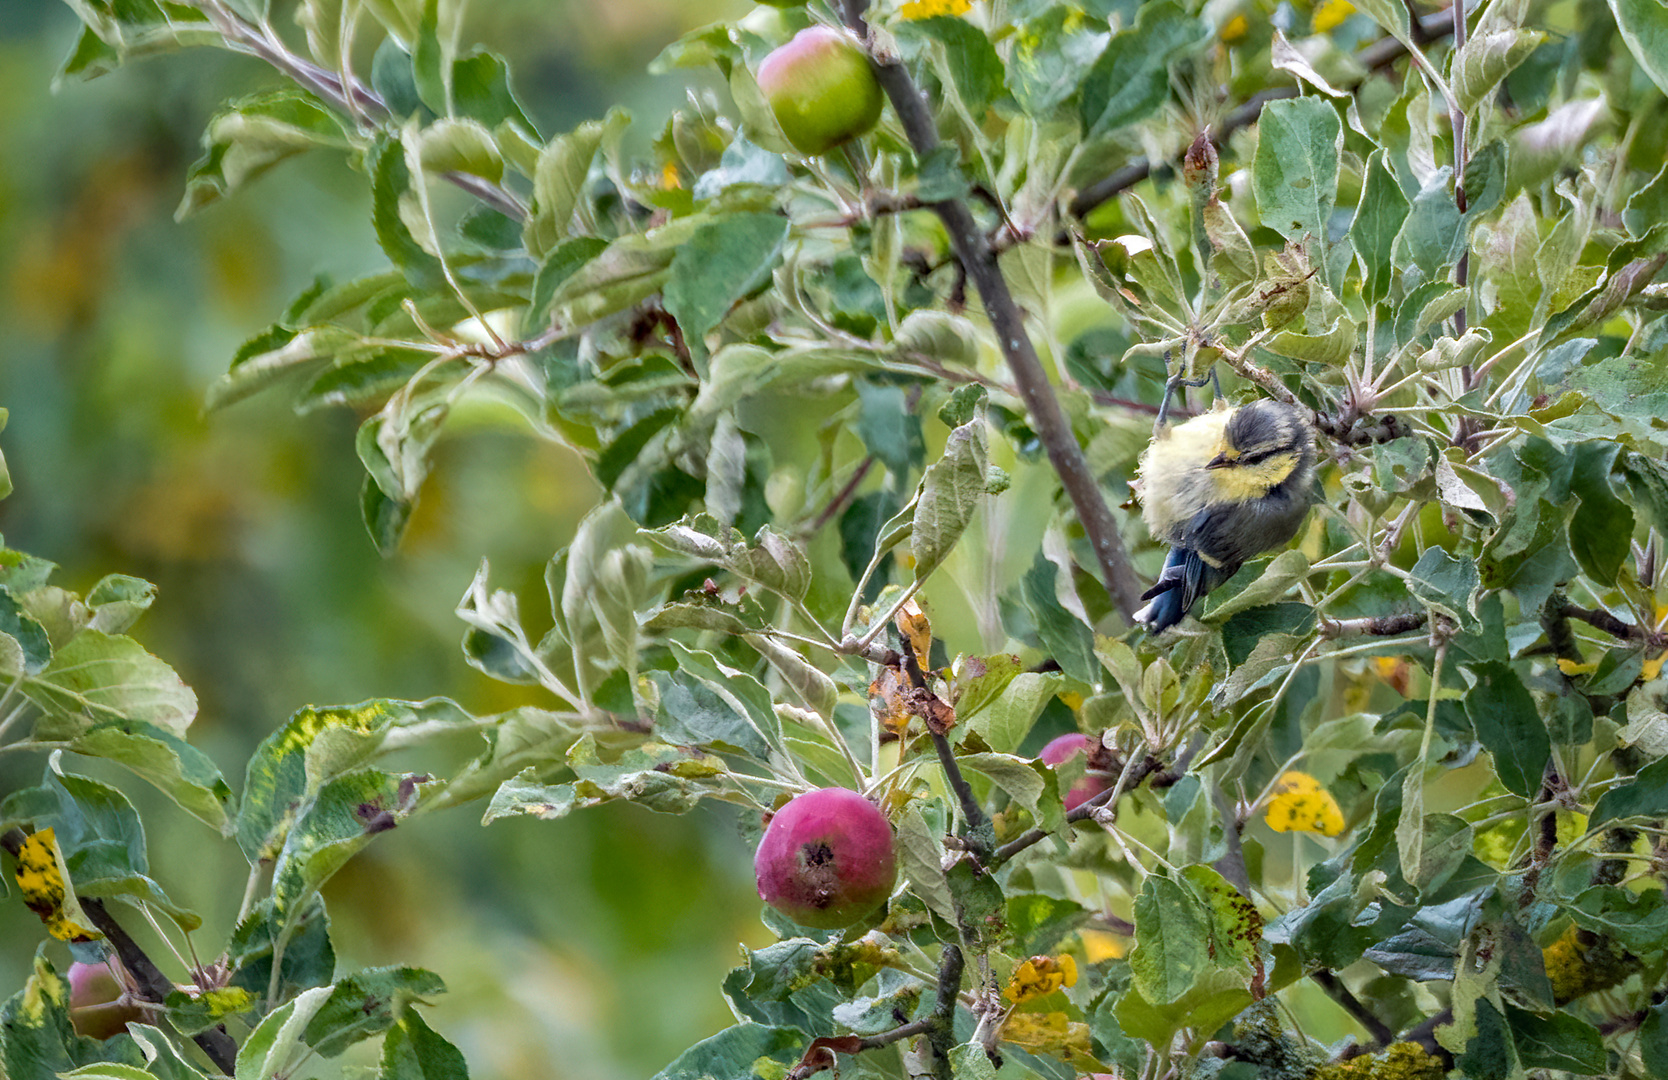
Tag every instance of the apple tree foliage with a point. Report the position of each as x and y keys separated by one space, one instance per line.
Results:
x=864 y=425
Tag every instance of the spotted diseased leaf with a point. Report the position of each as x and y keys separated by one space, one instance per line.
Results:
x=341 y=817
x=286 y=769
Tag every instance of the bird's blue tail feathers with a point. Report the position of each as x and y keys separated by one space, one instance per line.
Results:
x=1185 y=578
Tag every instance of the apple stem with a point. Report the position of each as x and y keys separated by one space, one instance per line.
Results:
x=973 y=250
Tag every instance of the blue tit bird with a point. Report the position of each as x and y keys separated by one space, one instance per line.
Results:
x=1219 y=489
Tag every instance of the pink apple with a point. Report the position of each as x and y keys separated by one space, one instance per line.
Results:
x=826 y=859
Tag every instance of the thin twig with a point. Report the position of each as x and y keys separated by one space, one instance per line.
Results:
x=978 y=826
x=973 y=251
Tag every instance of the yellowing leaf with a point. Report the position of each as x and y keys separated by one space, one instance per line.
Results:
x=1101 y=945
x=914 y=625
x=926 y=9
x=1234 y=29
x=1331 y=14
x=1047 y=1033
x=1039 y=976
x=1572 y=668
x=40 y=878
x=1301 y=804
x=1652 y=668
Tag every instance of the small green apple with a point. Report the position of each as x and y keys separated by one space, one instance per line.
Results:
x=822 y=89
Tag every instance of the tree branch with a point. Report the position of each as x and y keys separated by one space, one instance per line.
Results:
x=973 y=251
x=1335 y=989
x=154 y=986
x=1379 y=54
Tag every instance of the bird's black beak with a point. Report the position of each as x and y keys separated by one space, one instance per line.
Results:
x=1220 y=461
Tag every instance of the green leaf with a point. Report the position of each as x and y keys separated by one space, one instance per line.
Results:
x=974 y=67
x=98 y=677
x=704 y=702
x=1644 y=26
x=1488 y=56
x=365 y=1004
x=948 y=496
x=391 y=181
x=921 y=861
x=1050 y=54
x=653 y=775
x=1294 y=175
x=481 y=91
x=561 y=263
x=414 y=1051
x=1602 y=527
x=1131 y=78
x=1509 y=726
x=1026 y=780
x=252 y=135
x=734 y=1052
x=1653 y=1040
x=429 y=57
x=1638 y=921
x=309 y=958
x=727 y=259
x=117 y=601
x=771 y=560
x=118 y=32
x=1065 y=637
x=29 y=649
x=1447 y=584
x=889 y=430
x=1647 y=207
x=1378 y=218
x=1004 y=723
x=269 y=1048
x=559 y=181
x=451 y=145
x=179 y=770
x=1390 y=14
x=1174 y=940
x=1432 y=238
x=1646 y=795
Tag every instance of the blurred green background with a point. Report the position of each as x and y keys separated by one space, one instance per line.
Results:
x=551 y=935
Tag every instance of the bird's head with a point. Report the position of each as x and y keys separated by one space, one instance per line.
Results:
x=1262 y=445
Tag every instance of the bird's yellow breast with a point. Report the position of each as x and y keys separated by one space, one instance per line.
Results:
x=1177 y=484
